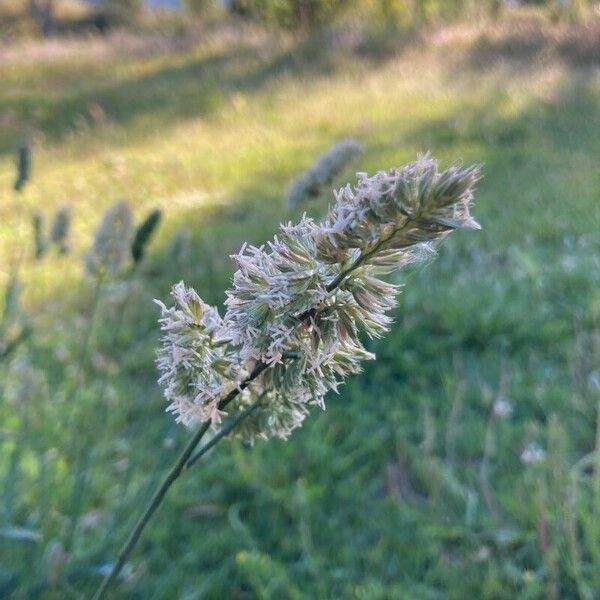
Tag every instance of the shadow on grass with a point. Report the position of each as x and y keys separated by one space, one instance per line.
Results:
x=577 y=46
x=199 y=86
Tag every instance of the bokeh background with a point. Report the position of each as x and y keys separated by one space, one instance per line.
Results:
x=465 y=461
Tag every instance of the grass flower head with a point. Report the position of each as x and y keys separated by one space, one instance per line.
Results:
x=59 y=231
x=323 y=171
x=300 y=305
x=112 y=241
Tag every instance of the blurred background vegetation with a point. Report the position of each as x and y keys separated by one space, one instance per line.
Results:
x=465 y=461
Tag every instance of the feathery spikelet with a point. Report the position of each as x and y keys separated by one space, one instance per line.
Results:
x=39 y=240
x=323 y=171
x=300 y=304
x=110 y=249
x=143 y=234
x=59 y=231
x=23 y=167
x=196 y=367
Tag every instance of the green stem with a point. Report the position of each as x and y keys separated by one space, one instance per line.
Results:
x=11 y=346
x=85 y=350
x=86 y=445
x=225 y=431
x=178 y=467
x=13 y=473
x=154 y=503
x=70 y=397
x=363 y=258
x=358 y=262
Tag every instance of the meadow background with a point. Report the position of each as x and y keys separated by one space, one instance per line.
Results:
x=463 y=463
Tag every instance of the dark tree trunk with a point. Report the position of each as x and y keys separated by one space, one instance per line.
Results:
x=42 y=12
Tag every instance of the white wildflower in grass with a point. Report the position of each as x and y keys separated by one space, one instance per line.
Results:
x=296 y=312
x=323 y=171
x=111 y=248
x=502 y=408
x=299 y=305
x=59 y=231
x=533 y=454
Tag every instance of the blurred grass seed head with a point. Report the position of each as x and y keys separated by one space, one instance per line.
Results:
x=59 y=231
x=323 y=171
x=112 y=241
x=143 y=234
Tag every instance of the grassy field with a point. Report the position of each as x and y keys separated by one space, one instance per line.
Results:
x=461 y=464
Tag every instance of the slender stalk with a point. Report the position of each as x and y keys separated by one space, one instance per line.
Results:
x=85 y=348
x=154 y=503
x=70 y=398
x=225 y=431
x=11 y=296
x=178 y=467
x=9 y=348
x=86 y=445
x=362 y=259
x=14 y=470
x=484 y=469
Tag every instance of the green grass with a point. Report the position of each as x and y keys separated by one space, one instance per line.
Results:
x=405 y=487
